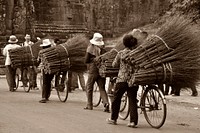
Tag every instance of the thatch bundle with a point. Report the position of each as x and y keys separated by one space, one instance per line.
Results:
x=25 y=56
x=171 y=55
x=104 y=62
x=66 y=56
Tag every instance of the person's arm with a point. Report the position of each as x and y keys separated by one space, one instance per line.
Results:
x=5 y=51
x=89 y=58
x=116 y=62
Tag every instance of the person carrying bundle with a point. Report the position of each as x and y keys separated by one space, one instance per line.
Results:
x=95 y=49
x=47 y=78
x=10 y=71
x=122 y=86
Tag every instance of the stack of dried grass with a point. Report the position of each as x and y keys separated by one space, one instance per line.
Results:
x=171 y=55
x=66 y=56
x=104 y=62
x=25 y=56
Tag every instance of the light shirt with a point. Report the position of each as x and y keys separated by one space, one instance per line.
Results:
x=6 y=53
x=28 y=43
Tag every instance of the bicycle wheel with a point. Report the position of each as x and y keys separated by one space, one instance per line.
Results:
x=16 y=81
x=123 y=102
x=96 y=96
x=124 y=108
x=154 y=107
x=62 y=90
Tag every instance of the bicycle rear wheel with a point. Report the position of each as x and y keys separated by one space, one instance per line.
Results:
x=62 y=90
x=154 y=107
x=124 y=108
x=96 y=96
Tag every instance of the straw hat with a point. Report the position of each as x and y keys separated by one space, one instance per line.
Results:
x=97 y=39
x=45 y=42
x=13 y=39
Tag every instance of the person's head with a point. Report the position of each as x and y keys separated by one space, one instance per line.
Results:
x=129 y=41
x=13 y=39
x=57 y=41
x=45 y=43
x=97 y=40
x=27 y=37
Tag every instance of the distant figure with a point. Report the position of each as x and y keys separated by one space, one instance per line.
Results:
x=28 y=40
x=10 y=71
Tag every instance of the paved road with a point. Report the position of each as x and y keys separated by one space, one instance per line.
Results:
x=21 y=112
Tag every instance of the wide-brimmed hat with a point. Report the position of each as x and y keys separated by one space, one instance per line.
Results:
x=13 y=39
x=45 y=42
x=27 y=36
x=97 y=39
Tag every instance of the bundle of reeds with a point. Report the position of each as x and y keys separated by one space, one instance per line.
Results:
x=25 y=56
x=66 y=56
x=104 y=63
x=171 y=55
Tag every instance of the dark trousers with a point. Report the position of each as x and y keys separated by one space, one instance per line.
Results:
x=120 y=89
x=10 y=76
x=72 y=82
x=33 y=76
x=46 y=90
x=92 y=78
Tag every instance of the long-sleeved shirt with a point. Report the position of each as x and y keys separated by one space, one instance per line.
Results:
x=91 y=53
x=124 y=68
x=6 y=52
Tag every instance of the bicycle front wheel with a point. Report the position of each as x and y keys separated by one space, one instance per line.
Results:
x=124 y=108
x=26 y=83
x=62 y=90
x=154 y=107
x=96 y=96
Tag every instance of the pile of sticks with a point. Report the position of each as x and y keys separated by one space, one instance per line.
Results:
x=104 y=63
x=24 y=56
x=66 y=56
x=171 y=55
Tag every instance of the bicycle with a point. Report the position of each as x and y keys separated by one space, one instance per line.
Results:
x=25 y=83
x=149 y=103
x=60 y=86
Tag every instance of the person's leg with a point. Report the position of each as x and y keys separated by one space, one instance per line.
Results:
x=82 y=80
x=35 y=78
x=115 y=106
x=69 y=81
x=194 y=90
x=132 y=96
x=10 y=76
x=166 y=89
x=48 y=82
x=74 y=81
x=89 y=90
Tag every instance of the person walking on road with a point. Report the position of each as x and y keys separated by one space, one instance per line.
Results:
x=47 y=78
x=94 y=50
x=10 y=71
x=122 y=85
